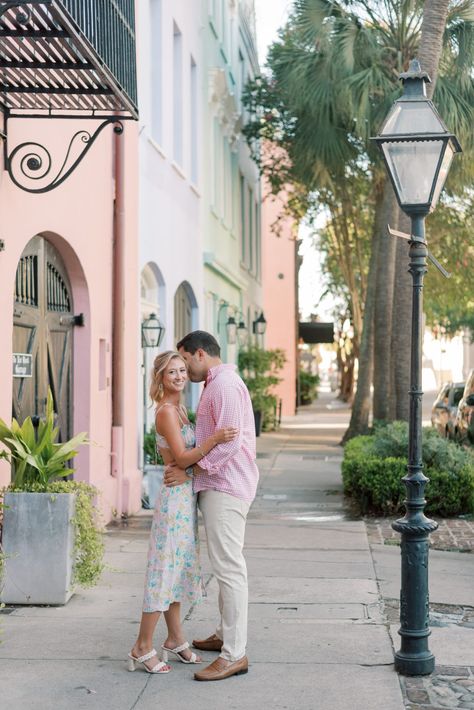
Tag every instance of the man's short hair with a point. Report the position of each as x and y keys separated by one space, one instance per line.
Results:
x=199 y=339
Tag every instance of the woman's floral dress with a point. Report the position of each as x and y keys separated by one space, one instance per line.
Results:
x=173 y=570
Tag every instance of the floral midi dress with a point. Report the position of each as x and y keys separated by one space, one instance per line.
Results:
x=173 y=569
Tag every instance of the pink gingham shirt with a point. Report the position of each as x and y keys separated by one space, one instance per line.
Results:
x=229 y=467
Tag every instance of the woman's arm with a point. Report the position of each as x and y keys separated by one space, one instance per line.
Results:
x=168 y=425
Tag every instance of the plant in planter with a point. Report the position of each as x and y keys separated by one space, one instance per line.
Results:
x=308 y=387
x=153 y=468
x=50 y=537
x=259 y=369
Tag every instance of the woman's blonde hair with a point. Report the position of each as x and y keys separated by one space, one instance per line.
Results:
x=159 y=366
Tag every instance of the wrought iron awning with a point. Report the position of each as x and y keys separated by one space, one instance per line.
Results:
x=68 y=55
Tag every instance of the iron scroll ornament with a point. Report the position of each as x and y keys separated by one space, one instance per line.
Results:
x=23 y=11
x=33 y=161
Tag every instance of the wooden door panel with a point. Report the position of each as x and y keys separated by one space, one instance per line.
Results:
x=42 y=299
x=25 y=392
x=59 y=377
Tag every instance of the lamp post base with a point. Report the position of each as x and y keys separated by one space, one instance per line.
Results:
x=414 y=663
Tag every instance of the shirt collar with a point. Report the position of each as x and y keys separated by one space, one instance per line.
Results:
x=214 y=371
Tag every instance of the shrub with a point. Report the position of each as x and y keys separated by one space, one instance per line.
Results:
x=308 y=387
x=374 y=465
x=259 y=369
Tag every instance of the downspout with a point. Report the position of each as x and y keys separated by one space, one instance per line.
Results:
x=118 y=321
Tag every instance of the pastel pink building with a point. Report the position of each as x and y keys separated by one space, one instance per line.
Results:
x=68 y=270
x=279 y=293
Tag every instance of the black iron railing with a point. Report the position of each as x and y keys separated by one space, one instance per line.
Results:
x=109 y=25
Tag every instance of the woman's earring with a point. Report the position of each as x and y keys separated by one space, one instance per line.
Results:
x=160 y=388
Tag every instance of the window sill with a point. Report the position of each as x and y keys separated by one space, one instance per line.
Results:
x=178 y=169
x=157 y=147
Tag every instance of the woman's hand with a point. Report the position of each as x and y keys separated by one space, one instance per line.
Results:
x=224 y=435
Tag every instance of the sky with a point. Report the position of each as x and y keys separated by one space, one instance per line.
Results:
x=270 y=16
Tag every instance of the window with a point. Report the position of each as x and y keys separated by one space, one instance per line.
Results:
x=177 y=94
x=156 y=76
x=251 y=227
x=193 y=120
x=243 y=219
x=227 y=214
x=258 y=242
x=241 y=76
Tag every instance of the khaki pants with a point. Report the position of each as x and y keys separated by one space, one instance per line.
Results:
x=224 y=519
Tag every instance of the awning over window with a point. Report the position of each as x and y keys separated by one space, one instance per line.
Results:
x=68 y=55
x=312 y=333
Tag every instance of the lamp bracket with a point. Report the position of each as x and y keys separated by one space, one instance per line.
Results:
x=31 y=161
x=412 y=238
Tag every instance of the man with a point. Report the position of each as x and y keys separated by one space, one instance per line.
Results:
x=226 y=479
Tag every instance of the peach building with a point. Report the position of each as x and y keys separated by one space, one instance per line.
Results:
x=279 y=278
x=69 y=247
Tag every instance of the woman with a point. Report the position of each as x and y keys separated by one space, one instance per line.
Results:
x=173 y=570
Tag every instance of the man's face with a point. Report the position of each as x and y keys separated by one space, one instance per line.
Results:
x=196 y=364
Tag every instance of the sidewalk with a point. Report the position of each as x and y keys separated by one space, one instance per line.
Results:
x=318 y=631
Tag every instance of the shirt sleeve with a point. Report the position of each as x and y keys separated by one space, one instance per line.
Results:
x=228 y=411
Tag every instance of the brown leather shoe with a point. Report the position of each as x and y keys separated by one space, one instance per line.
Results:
x=220 y=669
x=212 y=643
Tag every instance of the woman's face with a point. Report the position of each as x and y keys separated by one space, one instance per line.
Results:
x=175 y=376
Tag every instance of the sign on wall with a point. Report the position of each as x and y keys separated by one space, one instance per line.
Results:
x=22 y=365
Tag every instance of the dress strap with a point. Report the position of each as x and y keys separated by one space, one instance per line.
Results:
x=182 y=419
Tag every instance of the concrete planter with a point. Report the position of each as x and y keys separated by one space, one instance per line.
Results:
x=38 y=542
x=153 y=481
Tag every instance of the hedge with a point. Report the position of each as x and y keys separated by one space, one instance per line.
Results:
x=374 y=465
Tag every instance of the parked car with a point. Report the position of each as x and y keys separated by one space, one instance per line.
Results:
x=464 y=423
x=445 y=406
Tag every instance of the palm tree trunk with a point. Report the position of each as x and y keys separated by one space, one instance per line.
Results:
x=401 y=327
x=435 y=13
x=383 y=308
x=432 y=30
x=359 y=423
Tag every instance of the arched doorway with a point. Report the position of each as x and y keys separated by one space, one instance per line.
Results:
x=42 y=335
x=152 y=300
x=185 y=320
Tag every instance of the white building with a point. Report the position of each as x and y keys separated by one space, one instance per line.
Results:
x=169 y=77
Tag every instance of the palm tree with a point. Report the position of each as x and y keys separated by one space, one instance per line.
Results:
x=334 y=76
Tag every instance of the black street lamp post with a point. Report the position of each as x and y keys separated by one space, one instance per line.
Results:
x=417 y=149
x=152 y=335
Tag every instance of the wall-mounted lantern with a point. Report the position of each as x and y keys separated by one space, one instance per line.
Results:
x=152 y=332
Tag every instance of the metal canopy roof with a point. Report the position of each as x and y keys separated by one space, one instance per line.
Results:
x=71 y=55
x=316 y=332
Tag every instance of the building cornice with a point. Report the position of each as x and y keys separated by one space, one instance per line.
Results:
x=219 y=268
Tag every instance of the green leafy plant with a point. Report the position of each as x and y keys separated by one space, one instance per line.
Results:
x=373 y=467
x=38 y=463
x=259 y=369
x=151 y=453
x=308 y=387
x=36 y=457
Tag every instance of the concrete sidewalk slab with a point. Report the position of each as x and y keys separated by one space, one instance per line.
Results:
x=307 y=569
x=312 y=536
x=451 y=645
x=299 y=684
x=451 y=575
x=320 y=591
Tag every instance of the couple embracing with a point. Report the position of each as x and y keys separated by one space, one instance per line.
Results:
x=215 y=463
